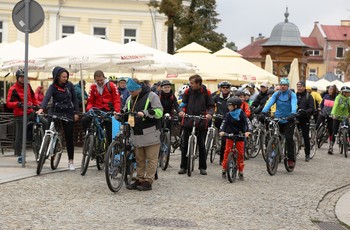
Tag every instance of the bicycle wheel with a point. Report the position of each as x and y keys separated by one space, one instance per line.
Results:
x=42 y=154
x=130 y=173
x=209 y=142
x=213 y=152
x=248 y=148
x=115 y=166
x=256 y=144
x=100 y=154
x=87 y=152
x=297 y=141
x=272 y=155
x=231 y=167
x=344 y=142
x=164 y=151
x=313 y=144
x=38 y=134
x=320 y=136
x=57 y=153
x=190 y=153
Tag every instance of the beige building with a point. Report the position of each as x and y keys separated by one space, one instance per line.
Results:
x=119 y=21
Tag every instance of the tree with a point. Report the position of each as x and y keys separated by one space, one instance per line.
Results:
x=232 y=46
x=197 y=24
x=172 y=9
x=344 y=65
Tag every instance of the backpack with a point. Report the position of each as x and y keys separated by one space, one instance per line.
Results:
x=204 y=91
x=280 y=92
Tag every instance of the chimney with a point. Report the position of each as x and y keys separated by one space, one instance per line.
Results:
x=251 y=39
x=345 y=22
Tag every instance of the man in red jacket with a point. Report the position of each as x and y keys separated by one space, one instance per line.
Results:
x=103 y=95
x=15 y=99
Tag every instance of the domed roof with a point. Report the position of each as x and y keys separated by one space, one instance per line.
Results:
x=285 y=34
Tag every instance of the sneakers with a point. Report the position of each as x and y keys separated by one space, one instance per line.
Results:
x=307 y=158
x=291 y=164
x=71 y=166
x=182 y=171
x=240 y=176
x=134 y=185
x=223 y=174
x=330 y=149
x=144 y=186
x=19 y=160
x=203 y=172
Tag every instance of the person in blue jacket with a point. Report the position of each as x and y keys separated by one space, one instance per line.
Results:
x=286 y=107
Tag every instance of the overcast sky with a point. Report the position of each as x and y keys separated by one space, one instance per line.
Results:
x=241 y=19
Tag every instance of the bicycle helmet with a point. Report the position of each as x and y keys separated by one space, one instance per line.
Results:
x=121 y=79
x=251 y=85
x=182 y=89
x=239 y=93
x=246 y=92
x=284 y=81
x=233 y=89
x=270 y=91
x=234 y=101
x=314 y=87
x=112 y=78
x=165 y=82
x=225 y=84
x=19 y=73
x=345 y=89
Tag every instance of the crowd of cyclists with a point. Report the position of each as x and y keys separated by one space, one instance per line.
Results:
x=238 y=108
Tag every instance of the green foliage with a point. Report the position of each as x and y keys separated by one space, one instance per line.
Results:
x=232 y=46
x=198 y=24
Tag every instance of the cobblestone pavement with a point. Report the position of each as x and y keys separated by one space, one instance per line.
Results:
x=67 y=200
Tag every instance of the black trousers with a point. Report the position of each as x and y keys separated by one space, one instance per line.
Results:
x=19 y=132
x=86 y=122
x=288 y=131
x=201 y=134
x=305 y=129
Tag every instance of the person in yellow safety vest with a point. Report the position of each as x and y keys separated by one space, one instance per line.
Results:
x=317 y=100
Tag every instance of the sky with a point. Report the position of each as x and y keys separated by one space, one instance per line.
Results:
x=242 y=19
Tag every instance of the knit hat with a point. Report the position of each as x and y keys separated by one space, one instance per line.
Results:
x=132 y=86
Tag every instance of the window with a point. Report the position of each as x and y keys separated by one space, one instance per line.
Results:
x=340 y=52
x=1 y=32
x=314 y=52
x=67 y=30
x=100 y=32
x=129 y=35
x=312 y=72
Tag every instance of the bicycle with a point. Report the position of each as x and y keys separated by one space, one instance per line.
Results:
x=231 y=165
x=212 y=140
x=175 y=134
x=276 y=150
x=299 y=140
x=37 y=135
x=51 y=145
x=95 y=140
x=120 y=164
x=343 y=135
x=192 y=149
x=258 y=139
x=323 y=132
x=165 y=142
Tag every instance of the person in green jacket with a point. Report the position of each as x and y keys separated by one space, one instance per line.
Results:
x=78 y=88
x=341 y=110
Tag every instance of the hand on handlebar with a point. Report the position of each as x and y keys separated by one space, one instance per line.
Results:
x=182 y=114
x=208 y=116
x=221 y=134
x=40 y=111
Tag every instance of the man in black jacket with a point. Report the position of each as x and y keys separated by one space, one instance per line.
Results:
x=260 y=101
x=305 y=110
x=196 y=101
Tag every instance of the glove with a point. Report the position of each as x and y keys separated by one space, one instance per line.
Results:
x=291 y=118
x=151 y=112
x=20 y=105
x=302 y=113
x=261 y=117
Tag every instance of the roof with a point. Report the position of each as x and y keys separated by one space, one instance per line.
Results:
x=311 y=42
x=226 y=52
x=193 y=47
x=253 y=50
x=336 y=33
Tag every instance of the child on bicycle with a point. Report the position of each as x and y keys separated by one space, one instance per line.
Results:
x=235 y=122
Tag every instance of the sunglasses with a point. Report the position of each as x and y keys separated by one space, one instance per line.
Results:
x=225 y=87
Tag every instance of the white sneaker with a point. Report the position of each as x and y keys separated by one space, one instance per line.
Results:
x=71 y=166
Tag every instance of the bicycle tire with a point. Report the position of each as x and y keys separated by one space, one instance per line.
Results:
x=231 y=167
x=100 y=155
x=57 y=154
x=190 y=153
x=344 y=142
x=209 y=143
x=115 y=166
x=286 y=156
x=164 y=151
x=213 y=152
x=38 y=134
x=272 y=155
x=320 y=136
x=313 y=144
x=42 y=154
x=130 y=169
x=87 y=151
x=256 y=146
x=297 y=141
x=262 y=146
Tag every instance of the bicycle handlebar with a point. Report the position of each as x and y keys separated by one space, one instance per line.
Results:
x=195 y=116
x=62 y=118
x=96 y=112
x=232 y=135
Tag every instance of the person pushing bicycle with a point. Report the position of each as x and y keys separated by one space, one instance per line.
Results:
x=197 y=101
x=286 y=107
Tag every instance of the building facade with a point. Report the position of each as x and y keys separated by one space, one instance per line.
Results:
x=119 y=21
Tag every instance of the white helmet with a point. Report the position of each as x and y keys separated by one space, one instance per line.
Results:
x=182 y=89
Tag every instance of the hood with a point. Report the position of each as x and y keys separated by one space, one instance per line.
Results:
x=56 y=73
